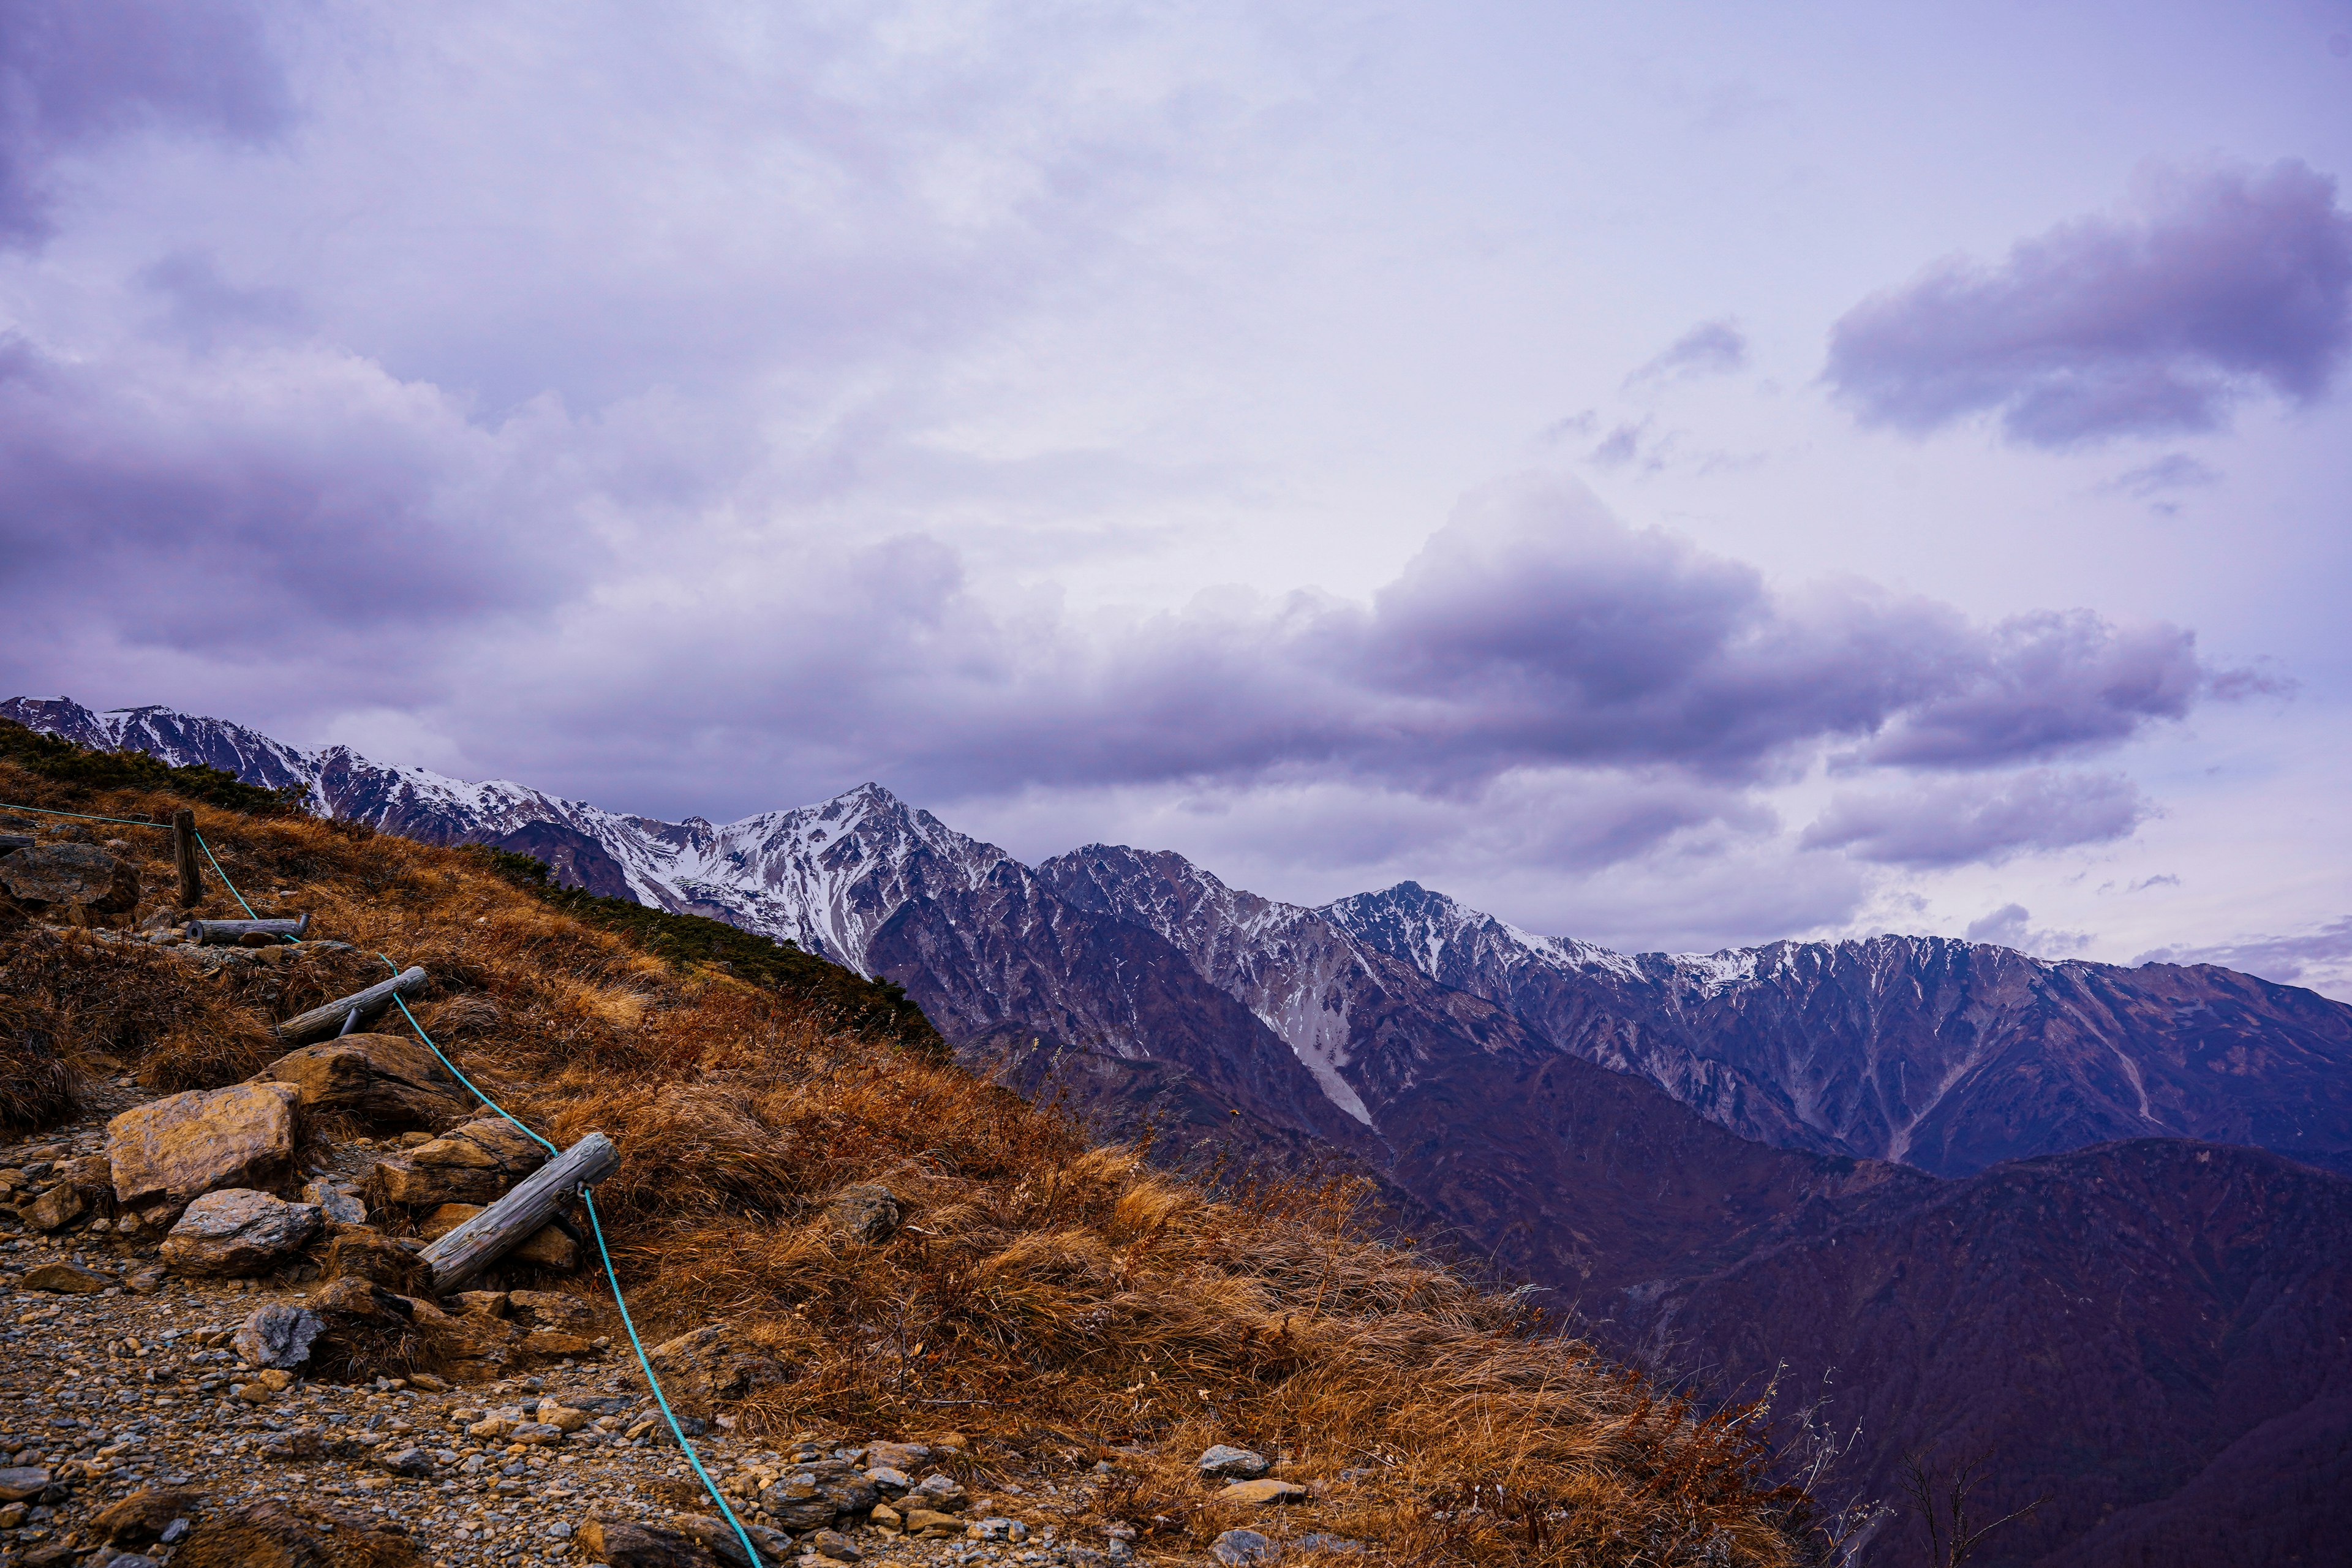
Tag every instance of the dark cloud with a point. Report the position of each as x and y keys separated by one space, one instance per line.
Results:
x=1711 y=348
x=2226 y=282
x=399 y=550
x=2046 y=685
x=77 y=73
x=1954 y=823
x=2011 y=926
x=2285 y=959
x=1535 y=631
x=310 y=508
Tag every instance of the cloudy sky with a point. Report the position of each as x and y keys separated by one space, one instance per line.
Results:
x=1677 y=476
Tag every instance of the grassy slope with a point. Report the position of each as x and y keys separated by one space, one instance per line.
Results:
x=1045 y=1294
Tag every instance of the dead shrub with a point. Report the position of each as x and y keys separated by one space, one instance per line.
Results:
x=37 y=1087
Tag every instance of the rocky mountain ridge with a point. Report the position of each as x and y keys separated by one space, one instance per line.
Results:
x=1944 y=1055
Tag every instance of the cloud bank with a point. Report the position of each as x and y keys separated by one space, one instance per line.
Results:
x=2220 y=286
x=75 y=76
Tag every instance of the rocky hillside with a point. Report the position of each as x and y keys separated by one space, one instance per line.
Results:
x=846 y=1242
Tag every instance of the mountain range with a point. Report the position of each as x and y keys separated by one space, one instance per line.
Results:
x=2093 y=1221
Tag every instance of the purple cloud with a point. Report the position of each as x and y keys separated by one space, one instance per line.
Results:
x=2046 y=685
x=2224 y=283
x=2285 y=959
x=1959 y=822
x=2011 y=926
x=74 y=75
x=342 y=516
x=1711 y=348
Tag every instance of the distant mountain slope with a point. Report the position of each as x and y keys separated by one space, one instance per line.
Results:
x=2136 y=1332
x=1675 y=1143
x=1949 y=1056
x=1944 y=1055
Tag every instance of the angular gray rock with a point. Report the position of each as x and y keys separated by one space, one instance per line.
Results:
x=237 y=1232
x=277 y=1336
x=336 y=1205
x=1242 y=1546
x=942 y=1493
x=1231 y=1463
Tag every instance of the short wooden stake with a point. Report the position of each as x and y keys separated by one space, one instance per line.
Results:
x=183 y=858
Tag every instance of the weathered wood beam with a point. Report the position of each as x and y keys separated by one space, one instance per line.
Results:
x=515 y=1218
x=324 y=1022
x=183 y=858
x=228 y=934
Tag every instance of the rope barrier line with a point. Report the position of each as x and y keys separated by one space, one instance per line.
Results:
x=224 y=881
x=589 y=1202
x=82 y=815
x=135 y=822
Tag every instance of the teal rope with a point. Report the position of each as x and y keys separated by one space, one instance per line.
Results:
x=224 y=881
x=644 y=1360
x=626 y=1321
x=83 y=815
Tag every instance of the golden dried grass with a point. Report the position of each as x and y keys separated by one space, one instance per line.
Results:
x=1049 y=1294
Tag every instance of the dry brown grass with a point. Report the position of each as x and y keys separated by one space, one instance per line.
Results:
x=1055 y=1300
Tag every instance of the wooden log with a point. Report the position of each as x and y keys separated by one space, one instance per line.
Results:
x=325 y=1023
x=515 y=1218
x=183 y=858
x=227 y=933
x=16 y=841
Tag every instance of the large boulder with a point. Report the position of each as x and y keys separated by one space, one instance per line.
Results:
x=719 y=1538
x=296 y=1535
x=359 y=1252
x=625 y=1543
x=474 y=1163
x=70 y=874
x=238 y=1232
x=146 y=1517
x=170 y=1151
x=712 y=1363
x=384 y=1080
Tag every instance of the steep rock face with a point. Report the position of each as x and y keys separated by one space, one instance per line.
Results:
x=2124 y=1327
x=1364 y=1023
x=1546 y=1163
x=1946 y=1055
x=1003 y=959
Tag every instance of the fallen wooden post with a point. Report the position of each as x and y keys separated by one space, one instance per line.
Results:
x=227 y=933
x=324 y=1023
x=520 y=1214
x=183 y=858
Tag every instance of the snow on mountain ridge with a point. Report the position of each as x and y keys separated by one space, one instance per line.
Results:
x=826 y=875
